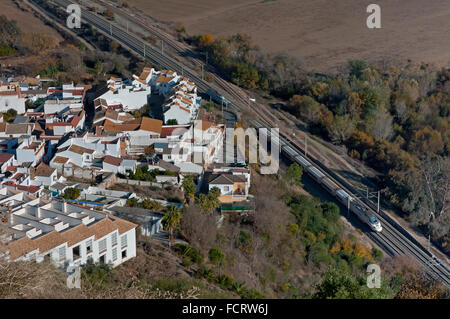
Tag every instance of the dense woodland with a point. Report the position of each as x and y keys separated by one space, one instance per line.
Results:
x=395 y=118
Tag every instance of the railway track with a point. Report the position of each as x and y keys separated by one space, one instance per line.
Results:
x=393 y=239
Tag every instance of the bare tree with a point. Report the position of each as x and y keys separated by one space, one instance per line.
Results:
x=382 y=124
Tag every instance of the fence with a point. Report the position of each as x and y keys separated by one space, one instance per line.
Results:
x=138 y=183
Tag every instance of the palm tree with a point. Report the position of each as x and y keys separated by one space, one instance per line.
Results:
x=171 y=219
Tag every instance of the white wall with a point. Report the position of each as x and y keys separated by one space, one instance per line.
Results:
x=12 y=102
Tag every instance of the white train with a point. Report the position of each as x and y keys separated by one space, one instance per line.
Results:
x=342 y=196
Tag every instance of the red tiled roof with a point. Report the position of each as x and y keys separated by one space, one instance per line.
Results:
x=169 y=130
x=4 y=157
x=30 y=189
x=116 y=161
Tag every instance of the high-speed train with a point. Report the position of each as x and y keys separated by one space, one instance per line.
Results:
x=342 y=196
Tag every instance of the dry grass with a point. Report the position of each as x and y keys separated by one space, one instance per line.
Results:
x=326 y=34
x=26 y=20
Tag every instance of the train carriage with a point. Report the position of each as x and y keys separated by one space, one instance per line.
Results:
x=302 y=161
x=315 y=173
x=343 y=197
x=329 y=185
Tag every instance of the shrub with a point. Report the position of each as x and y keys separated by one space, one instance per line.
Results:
x=225 y=281
x=188 y=251
x=245 y=241
x=71 y=193
x=216 y=256
x=377 y=254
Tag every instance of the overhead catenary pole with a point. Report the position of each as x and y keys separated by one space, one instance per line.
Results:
x=378 y=204
x=306 y=145
x=348 y=207
x=429 y=242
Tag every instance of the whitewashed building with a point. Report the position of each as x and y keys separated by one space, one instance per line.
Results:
x=67 y=234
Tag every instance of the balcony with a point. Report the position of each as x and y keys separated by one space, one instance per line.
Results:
x=239 y=194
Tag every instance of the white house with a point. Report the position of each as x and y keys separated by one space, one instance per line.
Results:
x=78 y=155
x=61 y=99
x=11 y=97
x=69 y=235
x=232 y=187
x=178 y=113
x=124 y=95
x=6 y=159
x=30 y=150
x=44 y=175
x=118 y=165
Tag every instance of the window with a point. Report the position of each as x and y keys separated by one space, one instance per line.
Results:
x=89 y=246
x=124 y=254
x=226 y=188
x=114 y=254
x=62 y=253
x=102 y=245
x=114 y=239
x=123 y=241
x=76 y=252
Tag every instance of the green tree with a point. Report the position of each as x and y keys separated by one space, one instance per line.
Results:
x=10 y=115
x=71 y=193
x=294 y=174
x=356 y=67
x=341 y=128
x=210 y=201
x=152 y=205
x=188 y=186
x=171 y=220
x=216 y=257
x=340 y=284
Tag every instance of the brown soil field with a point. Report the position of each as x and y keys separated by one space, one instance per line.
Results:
x=26 y=20
x=324 y=33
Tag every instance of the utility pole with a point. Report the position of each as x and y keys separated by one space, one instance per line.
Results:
x=378 y=205
x=110 y=28
x=429 y=242
x=348 y=207
x=306 y=145
x=162 y=46
x=367 y=192
x=144 y=50
x=202 y=71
